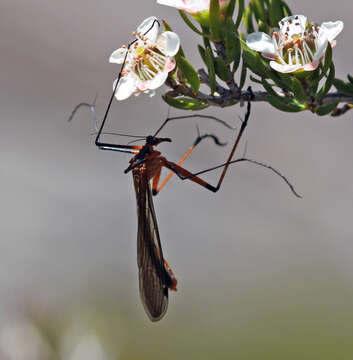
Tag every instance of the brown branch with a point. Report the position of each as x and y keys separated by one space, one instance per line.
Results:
x=224 y=97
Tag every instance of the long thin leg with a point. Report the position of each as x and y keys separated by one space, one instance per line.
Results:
x=191 y=116
x=185 y=174
x=104 y=146
x=131 y=149
x=185 y=156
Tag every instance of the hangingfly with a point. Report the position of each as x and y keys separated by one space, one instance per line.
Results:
x=156 y=277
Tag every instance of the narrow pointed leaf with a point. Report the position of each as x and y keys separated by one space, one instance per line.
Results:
x=299 y=91
x=242 y=76
x=326 y=109
x=329 y=81
x=205 y=39
x=230 y=9
x=283 y=106
x=286 y=9
x=328 y=61
x=247 y=20
x=240 y=13
x=211 y=69
x=222 y=70
x=259 y=10
x=350 y=78
x=281 y=103
x=253 y=62
x=185 y=103
x=232 y=43
x=276 y=12
x=189 y=23
x=202 y=53
x=189 y=72
x=254 y=79
x=344 y=88
x=215 y=20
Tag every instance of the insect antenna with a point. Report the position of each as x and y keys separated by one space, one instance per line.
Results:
x=134 y=141
x=92 y=108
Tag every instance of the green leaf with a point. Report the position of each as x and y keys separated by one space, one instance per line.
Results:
x=237 y=56
x=299 y=91
x=259 y=10
x=312 y=80
x=329 y=81
x=222 y=70
x=256 y=80
x=232 y=43
x=286 y=9
x=276 y=12
x=276 y=102
x=242 y=76
x=185 y=103
x=344 y=88
x=211 y=69
x=253 y=62
x=205 y=39
x=230 y=9
x=215 y=20
x=247 y=20
x=283 y=80
x=350 y=78
x=240 y=13
x=188 y=72
x=326 y=108
x=202 y=53
x=328 y=61
x=189 y=23
x=281 y=103
x=260 y=66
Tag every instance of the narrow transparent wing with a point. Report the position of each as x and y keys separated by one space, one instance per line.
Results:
x=154 y=280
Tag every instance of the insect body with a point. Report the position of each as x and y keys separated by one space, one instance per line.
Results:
x=155 y=275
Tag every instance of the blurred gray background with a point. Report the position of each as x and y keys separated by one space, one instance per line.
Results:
x=262 y=274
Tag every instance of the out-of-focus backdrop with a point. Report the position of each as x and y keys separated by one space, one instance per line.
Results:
x=262 y=274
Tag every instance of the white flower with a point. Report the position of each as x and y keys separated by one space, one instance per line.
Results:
x=297 y=45
x=191 y=6
x=148 y=60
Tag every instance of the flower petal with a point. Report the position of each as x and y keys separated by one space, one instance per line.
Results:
x=155 y=83
x=169 y=65
x=126 y=87
x=149 y=28
x=191 y=6
x=322 y=45
x=169 y=43
x=331 y=29
x=174 y=3
x=269 y=56
x=284 y=68
x=158 y=81
x=260 y=41
x=117 y=57
x=312 y=66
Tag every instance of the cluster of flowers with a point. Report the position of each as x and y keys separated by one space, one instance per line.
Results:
x=296 y=45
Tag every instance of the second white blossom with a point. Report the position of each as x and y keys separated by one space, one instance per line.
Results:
x=297 y=45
